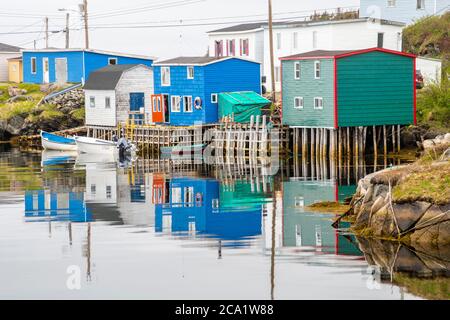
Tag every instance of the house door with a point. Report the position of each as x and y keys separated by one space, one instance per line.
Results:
x=157 y=108
x=61 y=70
x=137 y=105
x=165 y=106
x=45 y=70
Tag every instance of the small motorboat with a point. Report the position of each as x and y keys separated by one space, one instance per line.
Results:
x=52 y=141
x=94 y=145
x=183 y=150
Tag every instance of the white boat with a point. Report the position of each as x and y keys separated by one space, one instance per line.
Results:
x=51 y=141
x=93 y=145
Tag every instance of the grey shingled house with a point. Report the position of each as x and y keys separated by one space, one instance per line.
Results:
x=119 y=93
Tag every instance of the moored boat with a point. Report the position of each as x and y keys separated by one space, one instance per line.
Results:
x=52 y=141
x=93 y=145
x=183 y=150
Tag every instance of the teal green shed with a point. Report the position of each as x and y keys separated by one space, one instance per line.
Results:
x=242 y=105
x=332 y=89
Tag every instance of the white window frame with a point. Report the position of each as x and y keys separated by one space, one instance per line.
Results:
x=165 y=70
x=189 y=74
x=279 y=41
x=295 y=40
x=107 y=102
x=297 y=69
x=317 y=68
x=92 y=101
x=391 y=3
x=420 y=5
x=245 y=46
x=185 y=105
x=301 y=105
x=214 y=98
x=174 y=103
x=111 y=59
x=321 y=103
x=35 y=65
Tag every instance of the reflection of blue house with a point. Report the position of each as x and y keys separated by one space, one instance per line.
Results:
x=194 y=207
x=69 y=206
x=310 y=229
x=187 y=88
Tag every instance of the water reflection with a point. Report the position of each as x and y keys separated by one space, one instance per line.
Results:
x=116 y=214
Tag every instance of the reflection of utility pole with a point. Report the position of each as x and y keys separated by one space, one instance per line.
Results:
x=220 y=250
x=272 y=256
x=70 y=233
x=88 y=253
x=272 y=63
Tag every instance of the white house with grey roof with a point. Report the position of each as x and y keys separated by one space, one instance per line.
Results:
x=118 y=93
x=294 y=37
x=7 y=52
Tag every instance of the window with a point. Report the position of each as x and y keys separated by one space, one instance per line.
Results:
x=318 y=103
x=380 y=40
x=298 y=102
x=175 y=104
x=391 y=3
x=187 y=104
x=176 y=196
x=92 y=102
x=295 y=40
x=107 y=102
x=33 y=65
x=420 y=4
x=190 y=72
x=214 y=98
x=279 y=41
x=317 y=69
x=297 y=70
x=165 y=76
x=108 y=192
x=112 y=61
x=244 y=47
x=277 y=74
x=299 y=202
x=189 y=196
x=93 y=189
x=231 y=48
x=218 y=48
x=314 y=39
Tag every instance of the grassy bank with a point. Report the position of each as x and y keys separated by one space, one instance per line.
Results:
x=10 y=110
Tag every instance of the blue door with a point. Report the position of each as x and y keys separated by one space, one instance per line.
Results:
x=137 y=101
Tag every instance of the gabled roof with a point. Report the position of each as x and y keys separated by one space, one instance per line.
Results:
x=336 y=54
x=110 y=53
x=7 y=48
x=108 y=77
x=196 y=61
x=260 y=25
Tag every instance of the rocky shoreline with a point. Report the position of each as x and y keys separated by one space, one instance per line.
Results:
x=381 y=209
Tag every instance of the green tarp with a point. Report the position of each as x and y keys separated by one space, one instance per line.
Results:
x=242 y=105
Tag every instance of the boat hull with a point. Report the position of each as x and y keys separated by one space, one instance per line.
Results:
x=50 y=145
x=95 y=146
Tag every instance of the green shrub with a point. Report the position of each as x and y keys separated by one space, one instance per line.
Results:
x=433 y=105
x=78 y=114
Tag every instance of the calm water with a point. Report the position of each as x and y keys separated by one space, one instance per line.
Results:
x=71 y=228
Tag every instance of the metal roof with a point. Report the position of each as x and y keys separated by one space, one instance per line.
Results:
x=108 y=77
x=319 y=54
x=255 y=26
x=342 y=53
x=111 y=53
x=7 y=48
x=196 y=61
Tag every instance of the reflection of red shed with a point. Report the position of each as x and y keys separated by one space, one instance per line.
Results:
x=159 y=190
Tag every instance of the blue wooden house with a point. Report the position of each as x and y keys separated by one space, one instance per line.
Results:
x=71 y=65
x=187 y=88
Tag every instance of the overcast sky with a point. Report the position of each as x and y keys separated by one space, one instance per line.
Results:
x=163 y=42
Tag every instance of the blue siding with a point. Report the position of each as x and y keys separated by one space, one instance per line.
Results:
x=224 y=76
x=404 y=11
x=76 y=62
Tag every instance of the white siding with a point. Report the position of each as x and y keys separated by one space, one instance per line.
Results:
x=4 y=75
x=100 y=116
x=98 y=183
x=139 y=79
x=431 y=69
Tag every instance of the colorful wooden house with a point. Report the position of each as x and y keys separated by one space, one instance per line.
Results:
x=334 y=89
x=187 y=88
x=15 y=70
x=72 y=65
x=117 y=93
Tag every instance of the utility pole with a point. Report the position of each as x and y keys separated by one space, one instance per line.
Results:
x=67 y=31
x=86 y=25
x=46 y=32
x=272 y=63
